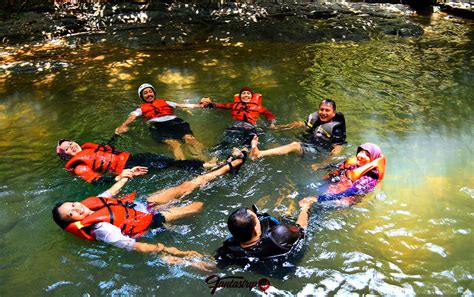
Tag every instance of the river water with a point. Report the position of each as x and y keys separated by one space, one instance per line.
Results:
x=411 y=96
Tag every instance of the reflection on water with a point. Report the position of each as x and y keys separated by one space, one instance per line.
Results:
x=413 y=97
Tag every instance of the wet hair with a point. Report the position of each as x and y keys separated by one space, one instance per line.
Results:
x=329 y=102
x=248 y=89
x=57 y=217
x=241 y=224
x=61 y=153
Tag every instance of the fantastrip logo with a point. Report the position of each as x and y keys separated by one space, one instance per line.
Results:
x=235 y=282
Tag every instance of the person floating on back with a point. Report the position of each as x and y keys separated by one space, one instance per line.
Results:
x=164 y=125
x=326 y=131
x=95 y=163
x=119 y=221
x=245 y=110
x=357 y=176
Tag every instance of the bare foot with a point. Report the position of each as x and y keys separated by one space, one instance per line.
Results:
x=307 y=202
x=254 y=152
x=211 y=164
x=239 y=153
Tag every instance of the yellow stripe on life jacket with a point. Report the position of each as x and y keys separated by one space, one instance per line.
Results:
x=78 y=225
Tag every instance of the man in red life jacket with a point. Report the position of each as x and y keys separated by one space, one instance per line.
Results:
x=119 y=221
x=164 y=125
x=326 y=131
x=93 y=162
x=245 y=110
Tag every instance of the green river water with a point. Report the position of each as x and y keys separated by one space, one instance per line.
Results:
x=411 y=96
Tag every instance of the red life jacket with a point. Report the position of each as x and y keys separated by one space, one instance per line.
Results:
x=100 y=158
x=378 y=164
x=347 y=179
x=117 y=212
x=157 y=108
x=247 y=112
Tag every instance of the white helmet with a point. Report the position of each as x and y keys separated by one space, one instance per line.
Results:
x=144 y=86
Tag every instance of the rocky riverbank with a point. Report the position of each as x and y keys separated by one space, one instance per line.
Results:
x=149 y=26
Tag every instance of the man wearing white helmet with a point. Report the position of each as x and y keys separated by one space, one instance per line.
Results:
x=164 y=125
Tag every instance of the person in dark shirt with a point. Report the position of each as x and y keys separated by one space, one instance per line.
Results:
x=326 y=131
x=258 y=237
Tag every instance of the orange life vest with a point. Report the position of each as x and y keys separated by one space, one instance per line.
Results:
x=117 y=212
x=378 y=164
x=347 y=179
x=247 y=112
x=100 y=158
x=157 y=108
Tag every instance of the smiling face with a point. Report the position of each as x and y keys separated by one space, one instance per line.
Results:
x=73 y=211
x=148 y=95
x=326 y=112
x=70 y=148
x=363 y=157
x=245 y=96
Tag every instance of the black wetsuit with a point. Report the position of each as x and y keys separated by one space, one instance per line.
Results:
x=278 y=241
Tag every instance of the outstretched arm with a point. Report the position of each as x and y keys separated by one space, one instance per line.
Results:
x=123 y=128
x=207 y=102
x=124 y=177
x=269 y=116
x=305 y=204
x=292 y=125
x=188 y=105
x=115 y=188
x=159 y=247
x=169 y=253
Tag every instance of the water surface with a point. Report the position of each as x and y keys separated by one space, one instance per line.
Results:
x=412 y=96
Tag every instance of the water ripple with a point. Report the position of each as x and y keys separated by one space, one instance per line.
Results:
x=436 y=249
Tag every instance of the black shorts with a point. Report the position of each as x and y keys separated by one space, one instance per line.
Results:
x=241 y=133
x=158 y=221
x=312 y=150
x=173 y=129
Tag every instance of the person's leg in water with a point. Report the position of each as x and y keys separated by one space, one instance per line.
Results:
x=255 y=153
x=175 y=213
x=155 y=161
x=196 y=148
x=165 y=196
x=176 y=149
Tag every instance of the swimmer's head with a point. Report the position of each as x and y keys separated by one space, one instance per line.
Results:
x=66 y=212
x=243 y=224
x=58 y=219
x=373 y=151
x=146 y=92
x=246 y=94
x=67 y=148
x=327 y=110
